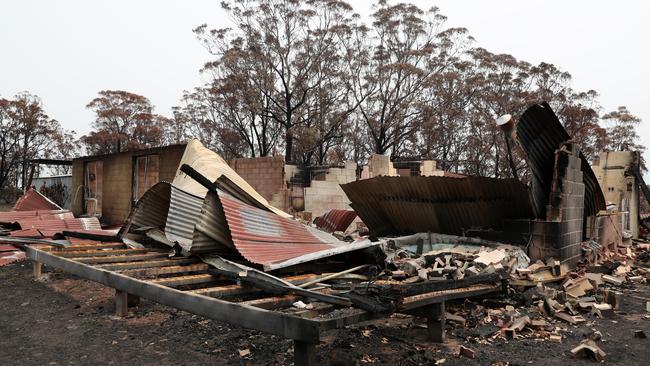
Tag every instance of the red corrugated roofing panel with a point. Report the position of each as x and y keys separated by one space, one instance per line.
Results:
x=263 y=237
x=27 y=233
x=87 y=223
x=11 y=257
x=335 y=220
x=33 y=200
x=13 y=216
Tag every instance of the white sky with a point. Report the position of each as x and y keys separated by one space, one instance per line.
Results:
x=65 y=51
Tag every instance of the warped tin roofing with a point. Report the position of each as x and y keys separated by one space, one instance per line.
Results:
x=408 y=205
x=540 y=133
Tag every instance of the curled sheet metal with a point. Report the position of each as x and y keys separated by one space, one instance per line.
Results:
x=151 y=209
x=184 y=212
x=187 y=195
x=262 y=237
x=229 y=219
x=408 y=205
x=540 y=133
x=335 y=220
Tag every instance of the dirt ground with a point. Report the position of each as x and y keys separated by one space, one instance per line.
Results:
x=63 y=320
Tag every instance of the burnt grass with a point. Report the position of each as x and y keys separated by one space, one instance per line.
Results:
x=64 y=320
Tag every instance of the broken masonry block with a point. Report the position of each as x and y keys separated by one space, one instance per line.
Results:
x=516 y=326
x=602 y=310
x=612 y=297
x=555 y=338
x=612 y=280
x=412 y=266
x=589 y=349
x=472 y=271
x=465 y=351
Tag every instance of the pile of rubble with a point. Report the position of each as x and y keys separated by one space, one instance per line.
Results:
x=448 y=257
x=555 y=303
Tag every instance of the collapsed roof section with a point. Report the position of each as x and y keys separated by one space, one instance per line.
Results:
x=209 y=208
x=408 y=205
x=540 y=134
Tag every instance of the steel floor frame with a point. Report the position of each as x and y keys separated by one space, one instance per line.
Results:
x=116 y=266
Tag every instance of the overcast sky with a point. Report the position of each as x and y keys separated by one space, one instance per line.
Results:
x=66 y=51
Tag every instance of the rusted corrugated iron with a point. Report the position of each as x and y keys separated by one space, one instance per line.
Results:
x=11 y=217
x=232 y=228
x=540 y=133
x=10 y=254
x=86 y=223
x=335 y=220
x=33 y=200
x=265 y=238
x=407 y=205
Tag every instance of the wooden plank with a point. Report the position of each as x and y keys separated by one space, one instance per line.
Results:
x=274 y=302
x=225 y=291
x=235 y=290
x=102 y=253
x=119 y=258
x=147 y=264
x=241 y=315
x=76 y=247
x=413 y=302
x=199 y=267
x=185 y=280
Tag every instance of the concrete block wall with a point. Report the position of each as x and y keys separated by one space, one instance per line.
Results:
x=117 y=179
x=605 y=230
x=569 y=210
x=267 y=176
x=610 y=169
x=325 y=195
x=560 y=234
x=380 y=165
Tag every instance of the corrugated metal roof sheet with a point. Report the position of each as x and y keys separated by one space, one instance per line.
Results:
x=263 y=237
x=212 y=166
x=86 y=223
x=232 y=222
x=184 y=212
x=33 y=200
x=540 y=133
x=11 y=217
x=407 y=205
x=151 y=209
x=335 y=220
x=11 y=257
x=232 y=228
